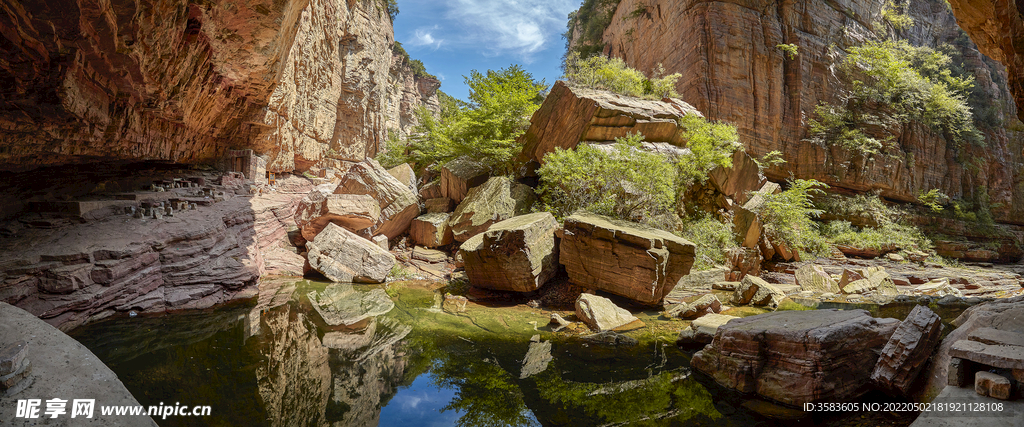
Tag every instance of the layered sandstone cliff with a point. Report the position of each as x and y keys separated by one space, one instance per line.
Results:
x=732 y=70
x=997 y=27
x=304 y=81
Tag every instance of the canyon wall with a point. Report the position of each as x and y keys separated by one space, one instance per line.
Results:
x=732 y=70
x=303 y=81
x=997 y=26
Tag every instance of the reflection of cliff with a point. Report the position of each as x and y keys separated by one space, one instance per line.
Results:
x=295 y=379
x=361 y=388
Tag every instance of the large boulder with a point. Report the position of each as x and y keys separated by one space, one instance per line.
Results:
x=623 y=258
x=908 y=349
x=797 y=357
x=460 y=175
x=404 y=174
x=342 y=256
x=570 y=115
x=601 y=314
x=431 y=230
x=518 y=254
x=354 y=212
x=754 y=290
x=703 y=330
x=814 y=278
x=707 y=304
x=398 y=203
x=496 y=200
x=738 y=180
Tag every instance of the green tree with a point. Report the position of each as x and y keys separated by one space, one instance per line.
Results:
x=711 y=145
x=622 y=181
x=612 y=74
x=892 y=82
x=788 y=215
x=486 y=128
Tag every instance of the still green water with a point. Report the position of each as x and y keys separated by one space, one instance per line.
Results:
x=278 y=364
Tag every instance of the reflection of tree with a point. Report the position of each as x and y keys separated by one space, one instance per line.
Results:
x=646 y=402
x=485 y=393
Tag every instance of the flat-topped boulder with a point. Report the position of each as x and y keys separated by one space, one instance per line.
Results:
x=623 y=258
x=404 y=174
x=707 y=304
x=342 y=256
x=908 y=349
x=398 y=203
x=994 y=355
x=570 y=115
x=518 y=254
x=797 y=357
x=703 y=329
x=496 y=200
x=354 y=212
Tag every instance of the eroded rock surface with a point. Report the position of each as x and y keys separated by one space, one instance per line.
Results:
x=398 y=203
x=496 y=200
x=623 y=258
x=908 y=349
x=796 y=357
x=518 y=254
x=342 y=256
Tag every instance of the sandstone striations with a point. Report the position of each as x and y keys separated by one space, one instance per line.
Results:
x=997 y=27
x=732 y=70
x=796 y=357
x=305 y=81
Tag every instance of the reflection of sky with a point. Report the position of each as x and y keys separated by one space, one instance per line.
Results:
x=419 y=405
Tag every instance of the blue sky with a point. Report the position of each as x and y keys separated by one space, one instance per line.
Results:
x=452 y=37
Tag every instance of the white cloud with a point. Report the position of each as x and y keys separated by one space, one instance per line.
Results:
x=425 y=37
x=518 y=27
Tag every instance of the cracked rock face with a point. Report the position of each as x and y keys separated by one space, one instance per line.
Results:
x=795 y=357
x=732 y=70
x=305 y=81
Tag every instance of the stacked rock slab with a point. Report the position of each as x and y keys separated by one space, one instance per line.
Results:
x=571 y=115
x=398 y=203
x=518 y=254
x=342 y=256
x=908 y=349
x=354 y=212
x=496 y=200
x=738 y=180
x=797 y=357
x=623 y=258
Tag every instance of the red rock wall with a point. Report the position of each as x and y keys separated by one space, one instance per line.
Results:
x=732 y=71
x=997 y=26
x=300 y=80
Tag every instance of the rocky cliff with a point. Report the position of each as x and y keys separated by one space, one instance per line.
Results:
x=997 y=26
x=304 y=81
x=733 y=70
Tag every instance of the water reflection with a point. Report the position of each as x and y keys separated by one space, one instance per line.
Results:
x=280 y=364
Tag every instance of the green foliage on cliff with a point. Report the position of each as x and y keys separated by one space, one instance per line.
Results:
x=586 y=27
x=486 y=128
x=789 y=216
x=612 y=74
x=711 y=145
x=712 y=237
x=899 y=20
x=891 y=83
x=621 y=180
x=417 y=67
x=790 y=49
x=881 y=225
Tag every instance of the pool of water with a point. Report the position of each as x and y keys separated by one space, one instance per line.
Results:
x=278 y=364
